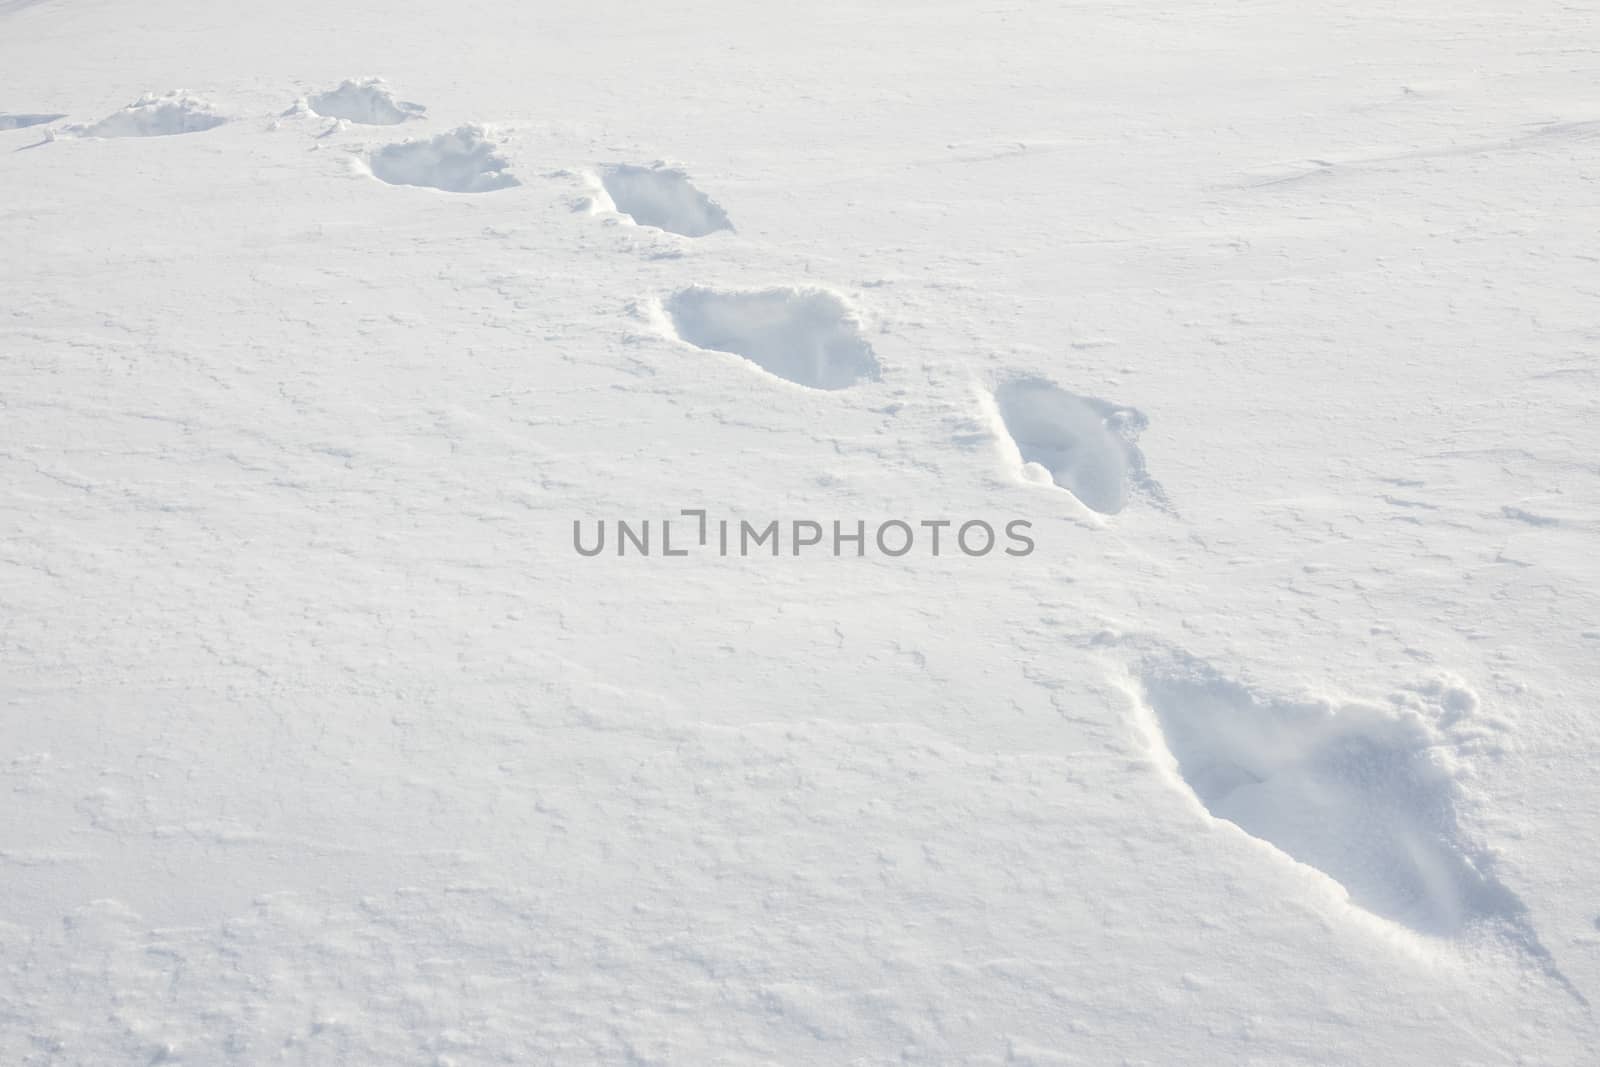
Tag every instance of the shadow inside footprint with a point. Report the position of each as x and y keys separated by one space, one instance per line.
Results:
x=366 y=102
x=22 y=122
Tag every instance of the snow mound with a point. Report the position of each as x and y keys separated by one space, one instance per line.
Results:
x=461 y=161
x=155 y=116
x=368 y=102
x=22 y=122
x=663 y=197
x=1364 y=794
x=806 y=336
x=1085 y=444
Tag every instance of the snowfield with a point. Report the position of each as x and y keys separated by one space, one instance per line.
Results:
x=321 y=326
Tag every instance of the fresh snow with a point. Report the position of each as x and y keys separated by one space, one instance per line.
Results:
x=322 y=744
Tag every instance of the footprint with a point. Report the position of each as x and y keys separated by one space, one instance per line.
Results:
x=1365 y=794
x=461 y=161
x=368 y=102
x=154 y=116
x=806 y=336
x=22 y=122
x=662 y=197
x=1086 y=445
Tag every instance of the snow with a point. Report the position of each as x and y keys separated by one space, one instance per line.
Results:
x=321 y=744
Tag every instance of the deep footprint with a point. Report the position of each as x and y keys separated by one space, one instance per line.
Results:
x=155 y=116
x=368 y=102
x=1087 y=445
x=22 y=122
x=806 y=336
x=1354 y=791
x=664 y=198
x=461 y=161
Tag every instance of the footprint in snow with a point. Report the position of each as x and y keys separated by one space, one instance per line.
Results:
x=807 y=336
x=368 y=102
x=661 y=197
x=1084 y=445
x=1370 y=796
x=461 y=161
x=154 y=116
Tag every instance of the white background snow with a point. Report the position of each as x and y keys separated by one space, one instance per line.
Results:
x=319 y=744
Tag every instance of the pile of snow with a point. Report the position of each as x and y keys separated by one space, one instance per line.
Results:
x=461 y=161
x=22 y=122
x=807 y=336
x=368 y=102
x=663 y=197
x=155 y=116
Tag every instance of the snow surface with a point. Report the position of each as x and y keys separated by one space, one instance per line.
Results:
x=320 y=744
